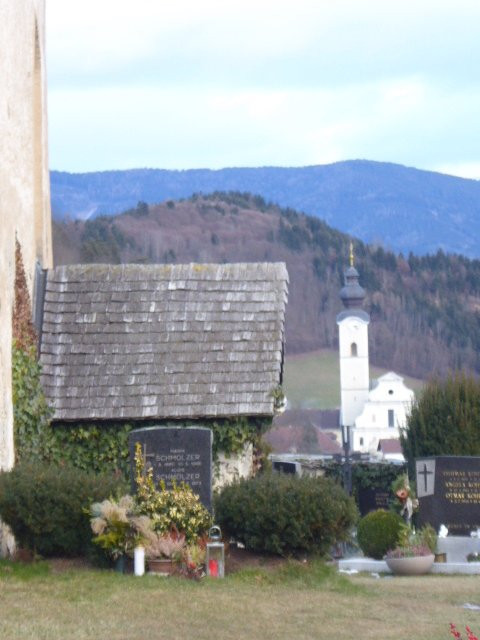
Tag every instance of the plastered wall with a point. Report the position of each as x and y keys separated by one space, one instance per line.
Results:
x=24 y=181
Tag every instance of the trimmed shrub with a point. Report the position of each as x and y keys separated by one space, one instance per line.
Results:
x=45 y=506
x=378 y=532
x=285 y=514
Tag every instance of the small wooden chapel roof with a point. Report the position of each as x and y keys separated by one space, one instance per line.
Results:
x=122 y=342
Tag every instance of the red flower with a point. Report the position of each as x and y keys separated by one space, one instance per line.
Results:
x=471 y=635
x=456 y=634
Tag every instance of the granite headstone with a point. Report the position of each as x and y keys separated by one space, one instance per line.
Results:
x=373 y=498
x=448 y=489
x=182 y=454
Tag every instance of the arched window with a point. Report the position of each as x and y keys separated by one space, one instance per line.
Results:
x=361 y=442
x=353 y=350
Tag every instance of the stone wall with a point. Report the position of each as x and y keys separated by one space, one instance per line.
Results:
x=233 y=467
x=24 y=180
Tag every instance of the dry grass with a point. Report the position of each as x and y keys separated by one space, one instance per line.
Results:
x=294 y=602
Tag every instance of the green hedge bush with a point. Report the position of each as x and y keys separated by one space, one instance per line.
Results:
x=378 y=532
x=44 y=505
x=285 y=514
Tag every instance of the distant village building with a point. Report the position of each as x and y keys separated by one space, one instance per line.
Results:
x=374 y=410
x=163 y=344
x=306 y=431
x=24 y=178
x=391 y=450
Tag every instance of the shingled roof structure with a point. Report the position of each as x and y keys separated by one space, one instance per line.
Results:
x=162 y=341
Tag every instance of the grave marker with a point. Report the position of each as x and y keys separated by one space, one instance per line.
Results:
x=182 y=454
x=448 y=489
x=373 y=498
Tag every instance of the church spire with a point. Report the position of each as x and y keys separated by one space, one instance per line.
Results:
x=352 y=294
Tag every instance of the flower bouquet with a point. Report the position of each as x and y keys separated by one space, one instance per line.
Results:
x=117 y=527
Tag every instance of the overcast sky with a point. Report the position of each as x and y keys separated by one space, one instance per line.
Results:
x=181 y=84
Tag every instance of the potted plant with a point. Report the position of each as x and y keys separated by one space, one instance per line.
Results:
x=118 y=528
x=164 y=551
x=414 y=553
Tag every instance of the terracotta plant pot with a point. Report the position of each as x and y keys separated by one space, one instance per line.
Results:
x=162 y=566
x=416 y=566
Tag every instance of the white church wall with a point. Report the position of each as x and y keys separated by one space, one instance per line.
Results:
x=374 y=422
x=24 y=180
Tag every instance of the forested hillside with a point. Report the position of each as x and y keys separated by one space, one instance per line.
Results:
x=425 y=310
x=405 y=209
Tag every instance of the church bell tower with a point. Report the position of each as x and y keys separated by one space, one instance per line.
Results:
x=353 y=347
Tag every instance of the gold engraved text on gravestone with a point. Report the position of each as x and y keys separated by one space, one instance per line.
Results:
x=462 y=487
x=175 y=466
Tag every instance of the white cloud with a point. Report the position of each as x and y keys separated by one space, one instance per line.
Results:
x=466 y=170
x=214 y=83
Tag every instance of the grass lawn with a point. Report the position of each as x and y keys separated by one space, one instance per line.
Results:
x=295 y=601
x=312 y=380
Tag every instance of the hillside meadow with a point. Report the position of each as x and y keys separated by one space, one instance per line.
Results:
x=312 y=380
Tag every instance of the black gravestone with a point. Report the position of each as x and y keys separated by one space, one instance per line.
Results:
x=283 y=466
x=448 y=489
x=180 y=454
x=372 y=499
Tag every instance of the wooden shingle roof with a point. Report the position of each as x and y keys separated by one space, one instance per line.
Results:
x=162 y=341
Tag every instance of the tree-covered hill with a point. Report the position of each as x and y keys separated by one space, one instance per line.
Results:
x=402 y=208
x=425 y=310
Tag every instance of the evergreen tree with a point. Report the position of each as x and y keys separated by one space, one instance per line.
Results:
x=445 y=420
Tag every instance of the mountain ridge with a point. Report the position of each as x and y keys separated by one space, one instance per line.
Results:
x=401 y=208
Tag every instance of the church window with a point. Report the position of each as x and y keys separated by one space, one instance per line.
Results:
x=361 y=442
x=390 y=392
x=391 y=418
x=353 y=350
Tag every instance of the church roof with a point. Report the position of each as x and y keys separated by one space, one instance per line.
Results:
x=389 y=446
x=163 y=341
x=352 y=294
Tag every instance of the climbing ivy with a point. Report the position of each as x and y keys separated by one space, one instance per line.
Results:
x=33 y=436
x=232 y=434
x=104 y=447
x=101 y=448
x=31 y=413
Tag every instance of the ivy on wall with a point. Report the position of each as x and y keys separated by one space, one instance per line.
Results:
x=104 y=447
x=24 y=334
x=33 y=437
x=31 y=413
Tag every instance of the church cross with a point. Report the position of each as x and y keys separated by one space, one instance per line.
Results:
x=425 y=473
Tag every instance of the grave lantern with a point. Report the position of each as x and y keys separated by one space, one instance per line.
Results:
x=215 y=554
